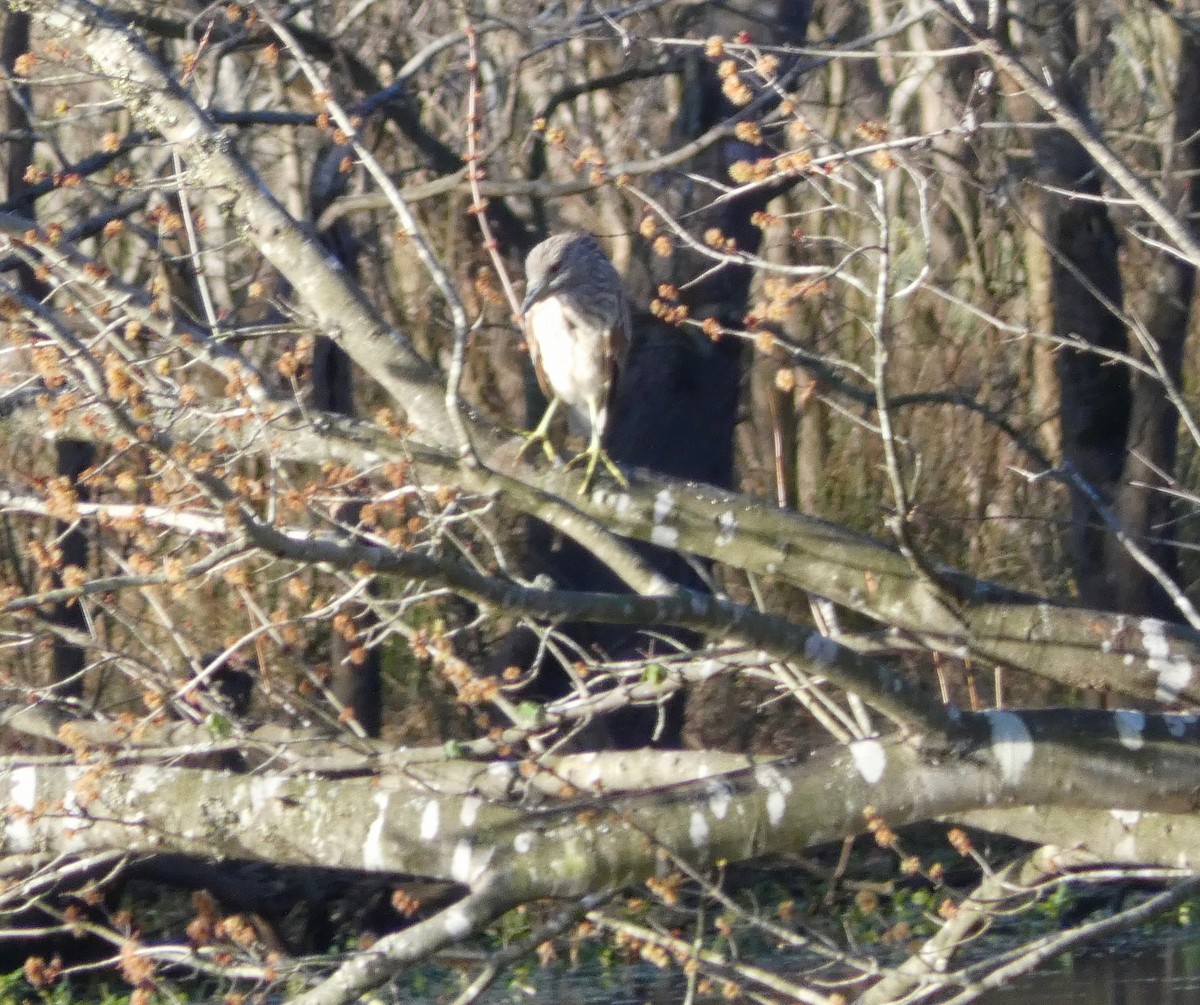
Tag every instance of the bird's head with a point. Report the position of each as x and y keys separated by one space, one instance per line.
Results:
x=559 y=262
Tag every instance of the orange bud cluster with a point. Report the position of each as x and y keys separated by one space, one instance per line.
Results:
x=766 y=66
x=136 y=969
x=666 y=888
x=45 y=556
x=24 y=64
x=732 y=85
x=885 y=837
x=748 y=132
x=667 y=307
x=875 y=131
x=882 y=160
x=62 y=499
x=867 y=901
x=41 y=974
x=960 y=841
x=736 y=91
x=404 y=903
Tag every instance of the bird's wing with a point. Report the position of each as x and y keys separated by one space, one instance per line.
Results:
x=616 y=349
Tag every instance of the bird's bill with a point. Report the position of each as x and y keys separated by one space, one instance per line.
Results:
x=532 y=294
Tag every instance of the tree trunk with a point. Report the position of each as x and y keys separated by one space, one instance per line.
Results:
x=1144 y=509
x=1085 y=295
x=356 y=674
x=72 y=457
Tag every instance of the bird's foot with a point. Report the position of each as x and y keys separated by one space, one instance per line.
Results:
x=594 y=456
x=537 y=436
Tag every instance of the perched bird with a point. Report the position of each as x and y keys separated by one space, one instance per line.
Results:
x=577 y=326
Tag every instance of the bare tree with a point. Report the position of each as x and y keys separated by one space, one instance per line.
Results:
x=302 y=440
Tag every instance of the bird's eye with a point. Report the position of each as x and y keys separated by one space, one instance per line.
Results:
x=555 y=267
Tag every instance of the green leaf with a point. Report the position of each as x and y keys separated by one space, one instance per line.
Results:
x=219 y=726
x=531 y=714
x=655 y=673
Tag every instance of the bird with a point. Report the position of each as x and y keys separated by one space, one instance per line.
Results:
x=577 y=326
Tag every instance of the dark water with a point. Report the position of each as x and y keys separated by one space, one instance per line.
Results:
x=1166 y=974
x=1157 y=973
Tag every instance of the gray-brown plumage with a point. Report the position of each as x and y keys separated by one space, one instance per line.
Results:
x=577 y=326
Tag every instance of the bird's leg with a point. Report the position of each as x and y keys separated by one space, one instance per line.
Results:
x=542 y=433
x=595 y=453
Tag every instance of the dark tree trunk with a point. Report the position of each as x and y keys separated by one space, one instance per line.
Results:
x=1085 y=295
x=357 y=685
x=73 y=457
x=1144 y=509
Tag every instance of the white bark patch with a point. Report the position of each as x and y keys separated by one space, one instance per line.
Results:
x=264 y=791
x=1126 y=818
x=770 y=777
x=470 y=811
x=664 y=503
x=431 y=820
x=22 y=794
x=1174 y=672
x=870 y=758
x=729 y=525
x=820 y=649
x=1126 y=849
x=660 y=534
x=23 y=791
x=458 y=925
x=1012 y=746
x=666 y=537
x=460 y=862
x=145 y=783
x=776 y=805
x=698 y=829
x=523 y=842
x=1131 y=728
x=502 y=771
x=373 y=857
x=779 y=788
x=719 y=799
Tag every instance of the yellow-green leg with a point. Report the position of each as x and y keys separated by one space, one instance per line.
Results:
x=542 y=433
x=595 y=454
